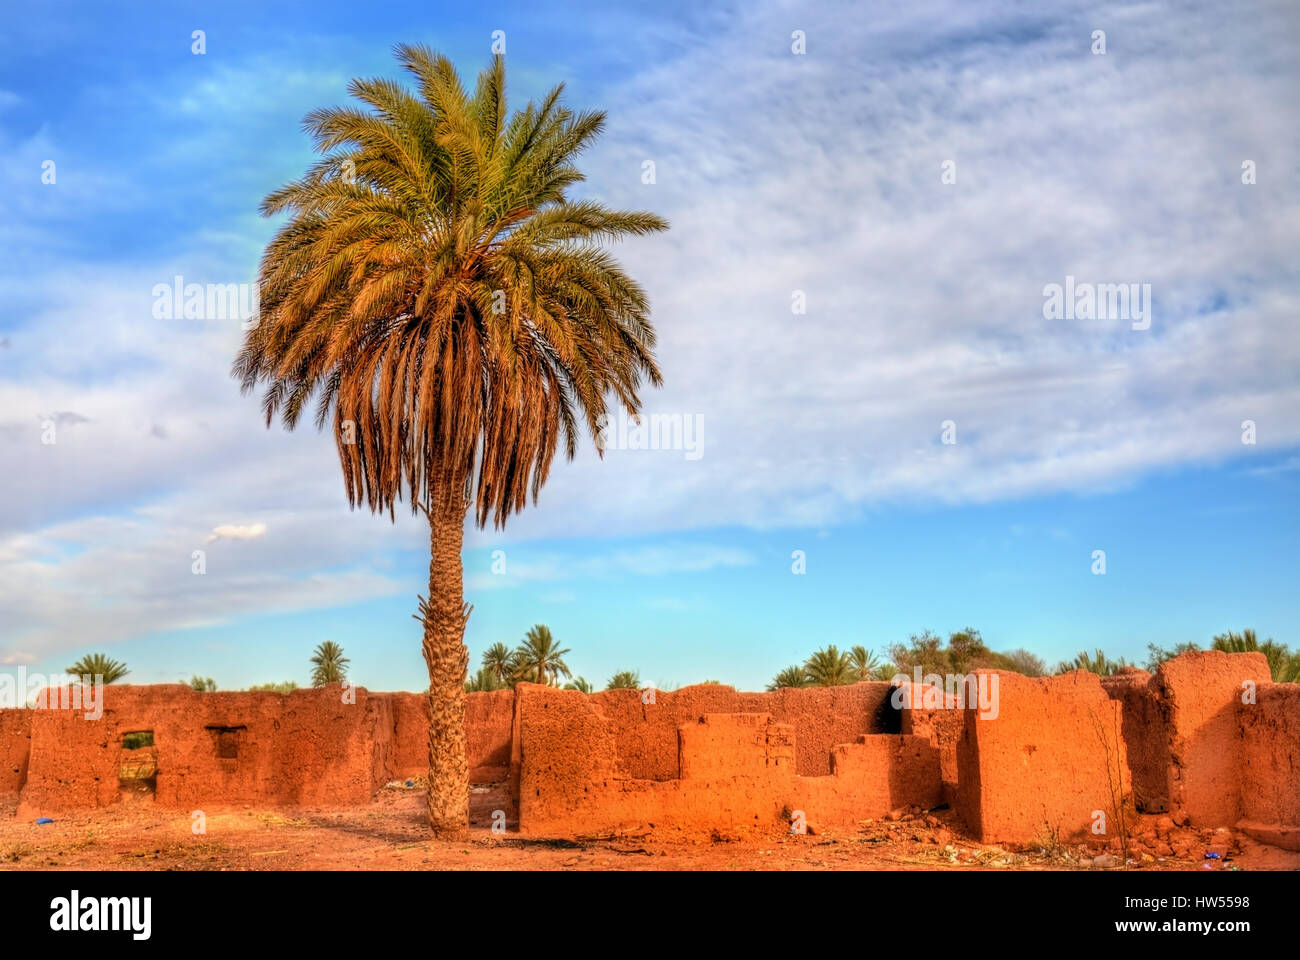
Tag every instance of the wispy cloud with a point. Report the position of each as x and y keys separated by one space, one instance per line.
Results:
x=524 y=566
x=818 y=173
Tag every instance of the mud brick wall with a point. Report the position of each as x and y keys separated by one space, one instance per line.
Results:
x=15 y=748
x=1270 y=765
x=304 y=748
x=1199 y=694
x=1052 y=756
x=563 y=758
x=932 y=713
x=1146 y=735
x=488 y=720
x=736 y=772
x=645 y=734
x=870 y=777
x=709 y=758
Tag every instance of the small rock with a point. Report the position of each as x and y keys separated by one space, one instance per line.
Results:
x=1105 y=860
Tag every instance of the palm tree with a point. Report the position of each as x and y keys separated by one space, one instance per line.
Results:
x=288 y=686
x=98 y=665
x=789 y=677
x=829 y=668
x=500 y=662
x=1097 y=663
x=329 y=664
x=1277 y=654
x=438 y=291
x=539 y=658
x=581 y=684
x=1290 y=671
x=624 y=680
x=865 y=663
x=482 y=682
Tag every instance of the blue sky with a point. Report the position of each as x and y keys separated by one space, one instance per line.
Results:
x=818 y=173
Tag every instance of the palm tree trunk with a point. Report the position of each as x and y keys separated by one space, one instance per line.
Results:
x=444 y=616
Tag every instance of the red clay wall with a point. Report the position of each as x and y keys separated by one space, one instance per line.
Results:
x=562 y=751
x=1200 y=694
x=15 y=748
x=304 y=748
x=645 y=734
x=870 y=777
x=737 y=772
x=1052 y=756
x=1146 y=737
x=1270 y=765
x=488 y=719
x=710 y=758
x=931 y=713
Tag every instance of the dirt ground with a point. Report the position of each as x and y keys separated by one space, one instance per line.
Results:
x=390 y=834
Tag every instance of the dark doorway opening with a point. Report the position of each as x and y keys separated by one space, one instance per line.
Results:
x=138 y=765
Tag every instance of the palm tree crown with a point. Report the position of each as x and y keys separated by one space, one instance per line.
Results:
x=99 y=665
x=499 y=662
x=539 y=658
x=1097 y=663
x=624 y=680
x=830 y=668
x=865 y=663
x=789 y=677
x=436 y=288
x=328 y=664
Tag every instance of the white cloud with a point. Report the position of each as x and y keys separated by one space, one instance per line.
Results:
x=818 y=173
x=524 y=565
x=234 y=531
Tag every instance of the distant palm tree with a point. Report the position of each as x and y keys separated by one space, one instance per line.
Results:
x=624 y=680
x=98 y=665
x=829 y=667
x=500 y=662
x=865 y=663
x=437 y=294
x=330 y=666
x=789 y=677
x=1290 y=671
x=1098 y=663
x=483 y=681
x=287 y=686
x=539 y=658
x=581 y=684
x=203 y=684
x=1277 y=654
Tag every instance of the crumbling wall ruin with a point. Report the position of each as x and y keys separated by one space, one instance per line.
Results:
x=1206 y=738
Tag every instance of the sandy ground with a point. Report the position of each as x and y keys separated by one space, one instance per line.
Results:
x=390 y=834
